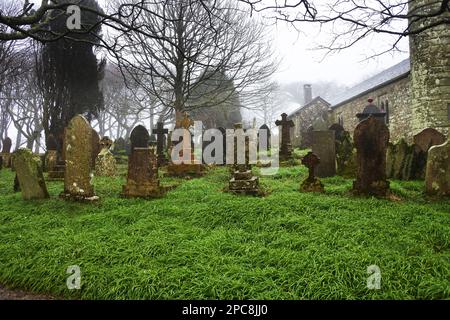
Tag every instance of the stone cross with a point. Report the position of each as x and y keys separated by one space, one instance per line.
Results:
x=286 y=147
x=310 y=161
x=185 y=123
x=160 y=132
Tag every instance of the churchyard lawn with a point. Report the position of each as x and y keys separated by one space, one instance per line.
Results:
x=199 y=242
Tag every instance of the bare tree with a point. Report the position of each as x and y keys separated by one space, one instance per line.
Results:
x=196 y=41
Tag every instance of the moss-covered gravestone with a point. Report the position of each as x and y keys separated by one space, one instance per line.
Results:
x=311 y=184
x=399 y=160
x=6 y=153
x=29 y=175
x=437 y=178
x=371 y=138
x=105 y=164
x=142 y=178
x=423 y=141
x=78 y=154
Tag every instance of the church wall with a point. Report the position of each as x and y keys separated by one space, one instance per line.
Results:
x=395 y=98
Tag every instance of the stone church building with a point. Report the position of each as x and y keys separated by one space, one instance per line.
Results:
x=415 y=93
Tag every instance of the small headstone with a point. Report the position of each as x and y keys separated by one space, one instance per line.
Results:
x=437 y=178
x=423 y=141
x=105 y=164
x=29 y=175
x=95 y=147
x=311 y=184
x=264 y=135
x=324 y=147
x=160 y=133
x=345 y=156
x=371 y=138
x=399 y=159
x=6 y=153
x=78 y=171
x=286 y=146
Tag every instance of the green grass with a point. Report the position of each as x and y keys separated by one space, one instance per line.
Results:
x=201 y=243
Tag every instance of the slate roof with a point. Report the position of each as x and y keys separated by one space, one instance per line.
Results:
x=383 y=78
x=313 y=101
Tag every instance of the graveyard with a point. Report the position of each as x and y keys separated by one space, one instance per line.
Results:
x=176 y=150
x=199 y=242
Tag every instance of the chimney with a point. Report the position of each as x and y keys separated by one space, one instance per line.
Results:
x=307 y=93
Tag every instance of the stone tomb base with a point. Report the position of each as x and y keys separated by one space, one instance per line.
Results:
x=244 y=183
x=145 y=190
x=182 y=170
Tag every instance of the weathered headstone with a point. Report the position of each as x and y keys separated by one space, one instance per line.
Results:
x=142 y=179
x=243 y=181
x=78 y=171
x=423 y=141
x=6 y=153
x=286 y=146
x=399 y=160
x=190 y=166
x=95 y=147
x=371 y=138
x=105 y=164
x=311 y=184
x=139 y=138
x=324 y=147
x=29 y=175
x=437 y=178
x=345 y=156
x=160 y=132
x=339 y=131
x=55 y=165
x=264 y=135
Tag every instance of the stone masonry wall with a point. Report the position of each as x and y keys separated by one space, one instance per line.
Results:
x=394 y=97
x=430 y=71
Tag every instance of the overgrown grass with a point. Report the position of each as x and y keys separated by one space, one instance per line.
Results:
x=201 y=243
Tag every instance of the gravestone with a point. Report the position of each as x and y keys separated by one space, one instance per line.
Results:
x=139 y=138
x=78 y=152
x=324 y=147
x=105 y=164
x=339 y=131
x=187 y=166
x=399 y=160
x=55 y=165
x=264 y=135
x=95 y=147
x=311 y=184
x=29 y=175
x=160 y=132
x=6 y=153
x=437 y=178
x=345 y=156
x=243 y=181
x=142 y=178
x=423 y=141
x=285 y=152
x=371 y=138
